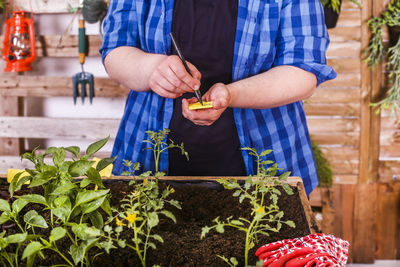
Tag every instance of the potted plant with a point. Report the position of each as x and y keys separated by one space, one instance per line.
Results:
x=377 y=52
x=332 y=10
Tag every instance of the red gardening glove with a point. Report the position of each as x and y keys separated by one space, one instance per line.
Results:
x=302 y=261
x=282 y=261
x=328 y=250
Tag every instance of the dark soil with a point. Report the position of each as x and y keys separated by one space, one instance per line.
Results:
x=201 y=204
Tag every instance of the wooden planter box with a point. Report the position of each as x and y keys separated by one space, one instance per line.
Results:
x=203 y=199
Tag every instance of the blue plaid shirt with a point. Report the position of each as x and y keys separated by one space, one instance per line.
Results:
x=269 y=33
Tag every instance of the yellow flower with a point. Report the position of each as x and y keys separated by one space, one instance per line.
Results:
x=172 y=190
x=261 y=209
x=144 y=181
x=119 y=223
x=131 y=218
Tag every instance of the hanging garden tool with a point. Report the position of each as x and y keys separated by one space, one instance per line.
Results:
x=82 y=79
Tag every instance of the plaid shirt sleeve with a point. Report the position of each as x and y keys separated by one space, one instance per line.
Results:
x=303 y=38
x=120 y=27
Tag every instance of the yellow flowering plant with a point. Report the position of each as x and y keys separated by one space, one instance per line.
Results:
x=264 y=217
x=140 y=211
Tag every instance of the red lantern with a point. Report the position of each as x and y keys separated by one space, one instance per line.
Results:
x=19 y=42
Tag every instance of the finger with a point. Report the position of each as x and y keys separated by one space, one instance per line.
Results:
x=194 y=71
x=180 y=86
x=163 y=82
x=155 y=87
x=178 y=68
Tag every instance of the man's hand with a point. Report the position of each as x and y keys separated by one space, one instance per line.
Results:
x=171 y=80
x=221 y=98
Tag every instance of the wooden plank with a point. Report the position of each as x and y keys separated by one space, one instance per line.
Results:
x=350 y=139
x=62 y=46
x=364 y=223
x=345 y=34
x=345 y=65
x=346 y=215
x=332 y=153
x=9 y=106
x=46 y=86
x=45 y=6
x=334 y=95
x=387 y=216
x=328 y=211
x=389 y=169
x=349 y=18
x=344 y=80
x=324 y=125
x=340 y=109
x=344 y=49
x=370 y=123
x=58 y=128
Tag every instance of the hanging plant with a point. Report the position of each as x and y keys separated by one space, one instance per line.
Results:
x=377 y=52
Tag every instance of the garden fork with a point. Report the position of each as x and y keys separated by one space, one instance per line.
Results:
x=82 y=79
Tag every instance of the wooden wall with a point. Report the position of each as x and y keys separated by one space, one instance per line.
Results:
x=362 y=148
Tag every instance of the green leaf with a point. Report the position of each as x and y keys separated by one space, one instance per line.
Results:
x=58 y=156
x=152 y=219
x=205 y=230
x=220 y=228
x=121 y=243
x=236 y=222
x=4 y=206
x=290 y=224
x=42 y=178
x=34 y=219
x=96 y=146
x=106 y=206
x=50 y=150
x=85 y=182
x=22 y=181
x=92 y=205
x=77 y=253
x=284 y=176
x=57 y=233
x=18 y=205
x=89 y=195
x=105 y=162
x=34 y=198
x=79 y=167
x=94 y=177
x=62 y=213
x=288 y=189
x=32 y=249
x=169 y=215
x=85 y=232
x=64 y=188
x=158 y=238
x=16 y=238
x=234 y=261
x=96 y=219
x=62 y=201
x=265 y=152
x=74 y=150
x=4 y=217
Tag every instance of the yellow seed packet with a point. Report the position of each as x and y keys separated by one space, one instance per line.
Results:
x=106 y=172
x=12 y=172
x=198 y=105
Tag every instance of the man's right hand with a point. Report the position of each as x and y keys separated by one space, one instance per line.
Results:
x=170 y=78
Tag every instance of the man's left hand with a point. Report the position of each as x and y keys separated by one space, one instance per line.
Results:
x=221 y=98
